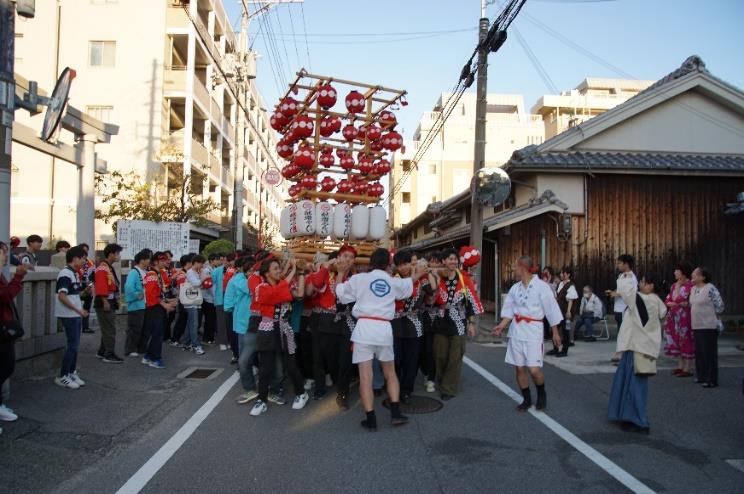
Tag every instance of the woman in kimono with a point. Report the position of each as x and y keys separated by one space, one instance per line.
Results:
x=679 y=339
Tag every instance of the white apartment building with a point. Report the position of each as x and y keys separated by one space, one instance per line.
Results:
x=162 y=72
x=592 y=97
x=447 y=166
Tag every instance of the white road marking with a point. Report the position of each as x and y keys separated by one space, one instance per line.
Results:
x=598 y=458
x=140 y=479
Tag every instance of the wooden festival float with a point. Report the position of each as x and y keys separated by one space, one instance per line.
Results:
x=336 y=159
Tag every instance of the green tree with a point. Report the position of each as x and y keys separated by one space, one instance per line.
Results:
x=128 y=196
x=219 y=246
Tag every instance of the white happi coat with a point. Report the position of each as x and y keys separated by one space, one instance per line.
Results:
x=536 y=301
x=374 y=295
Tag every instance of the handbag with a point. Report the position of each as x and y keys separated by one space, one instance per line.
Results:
x=11 y=330
x=643 y=365
x=190 y=295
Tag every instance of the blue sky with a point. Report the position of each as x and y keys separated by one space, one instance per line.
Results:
x=644 y=38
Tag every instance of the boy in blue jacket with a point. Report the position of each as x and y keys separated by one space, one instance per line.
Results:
x=134 y=295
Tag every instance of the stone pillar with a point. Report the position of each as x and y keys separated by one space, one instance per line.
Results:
x=86 y=200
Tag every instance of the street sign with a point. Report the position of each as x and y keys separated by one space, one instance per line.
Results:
x=57 y=104
x=272 y=176
x=492 y=187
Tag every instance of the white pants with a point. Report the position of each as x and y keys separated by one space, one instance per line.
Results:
x=364 y=353
x=524 y=353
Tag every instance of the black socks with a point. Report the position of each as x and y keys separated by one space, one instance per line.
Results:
x=397 y=418
x=542 y=400
x=527 y=403
x=370 y=423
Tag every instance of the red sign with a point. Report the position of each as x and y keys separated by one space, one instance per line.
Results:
x=272 y=176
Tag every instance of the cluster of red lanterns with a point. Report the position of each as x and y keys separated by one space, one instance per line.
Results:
x=297 y=128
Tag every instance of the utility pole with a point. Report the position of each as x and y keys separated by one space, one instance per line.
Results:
x=7 y=106
x=240 y=140
x=479 y=150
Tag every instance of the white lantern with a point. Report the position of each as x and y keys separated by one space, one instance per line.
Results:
x=359 y=222
x=305 y=218
x=284 y=222
x=323 y=219
x=377 y=222
x=341 y=221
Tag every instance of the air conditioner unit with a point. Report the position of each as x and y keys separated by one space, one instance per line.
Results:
x=229 y=65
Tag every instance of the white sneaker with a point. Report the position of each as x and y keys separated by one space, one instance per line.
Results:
x=223 y=348
x=7 y=415
x=66 y=382
x=329 y=381
x=146 y=361
x=309 y=383
x=247 y=397
x=300 y=401
x=259 y=408
x=76 y=377
x=430 y=386
x=133 y=354
x=199 y=350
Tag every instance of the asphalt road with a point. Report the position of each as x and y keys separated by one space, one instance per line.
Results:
x=96 y=440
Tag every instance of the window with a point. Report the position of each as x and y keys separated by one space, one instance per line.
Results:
x=433 y=199
x=102 y=113
x=101 y=53
x=406 y=197
x=433 y=169
x=406 y=165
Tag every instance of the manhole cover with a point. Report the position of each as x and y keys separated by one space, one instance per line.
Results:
x=417 y=404
x=200 y=373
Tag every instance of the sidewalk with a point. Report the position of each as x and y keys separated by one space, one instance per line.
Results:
x=594 y=357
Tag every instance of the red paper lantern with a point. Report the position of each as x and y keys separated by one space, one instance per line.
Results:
x=355 y=102
x=289 y=107
x=382 y=167
x=350 y=132
x=290 y=171
x=327 y=160
x=376 y=145
x=207 y=282
x=278 y=121
x=302 y=127
x=327 y=184
x=309 y=182
x=375 y=189
x=347 y=162
x=373 y=132
x=360 y=187
x=387 y=119
x=329 y=125
x=344 y=186
x=366 y=165
x=392 y=141
x=304 y=157
x=294 y=190
x=341 y=153
x=469 y=256
x=284 y=148
x=326 y=96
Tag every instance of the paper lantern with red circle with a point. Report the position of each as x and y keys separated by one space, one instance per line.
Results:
x=207 y=283
x=302 y=127
x=376 y=145
x=387 y=119
x=373 y=132
x=355 y=102
x=327 y=160
x=327 y=96
x=289 y=107
x=294 y=190
x=469 y=256
x=392 y=141
x=344 y=186
x=329 y=125
x=304 y=157
x=382 y=167
x=375 y=189
x=290 y=171
x=341 y=153
x=278 y=121
x=327 y=184
x=360 y=187
x=309 y=182
x=284 y=148
x=365 y=165
x=350 y=132
x=347 y=162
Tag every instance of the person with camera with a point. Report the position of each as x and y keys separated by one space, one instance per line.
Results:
x=10 y=328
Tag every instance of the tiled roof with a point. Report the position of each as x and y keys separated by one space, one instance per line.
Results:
x=650 y=161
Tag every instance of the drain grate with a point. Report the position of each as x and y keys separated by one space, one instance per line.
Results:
x=417 y=404
x=200 y=373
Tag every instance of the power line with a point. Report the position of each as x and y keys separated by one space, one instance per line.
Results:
x=536 y=63
x=378 y=34
x=294 y=37
x=304 y=30
x=284 y=43
x=377 y=41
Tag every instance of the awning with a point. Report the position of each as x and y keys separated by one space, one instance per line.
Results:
x=521 y=214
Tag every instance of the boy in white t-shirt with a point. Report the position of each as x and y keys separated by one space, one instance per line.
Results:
x=374 y=294
x=69 y=310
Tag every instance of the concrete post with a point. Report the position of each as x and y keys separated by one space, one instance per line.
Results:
x=7 y=104
x=86 y=201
